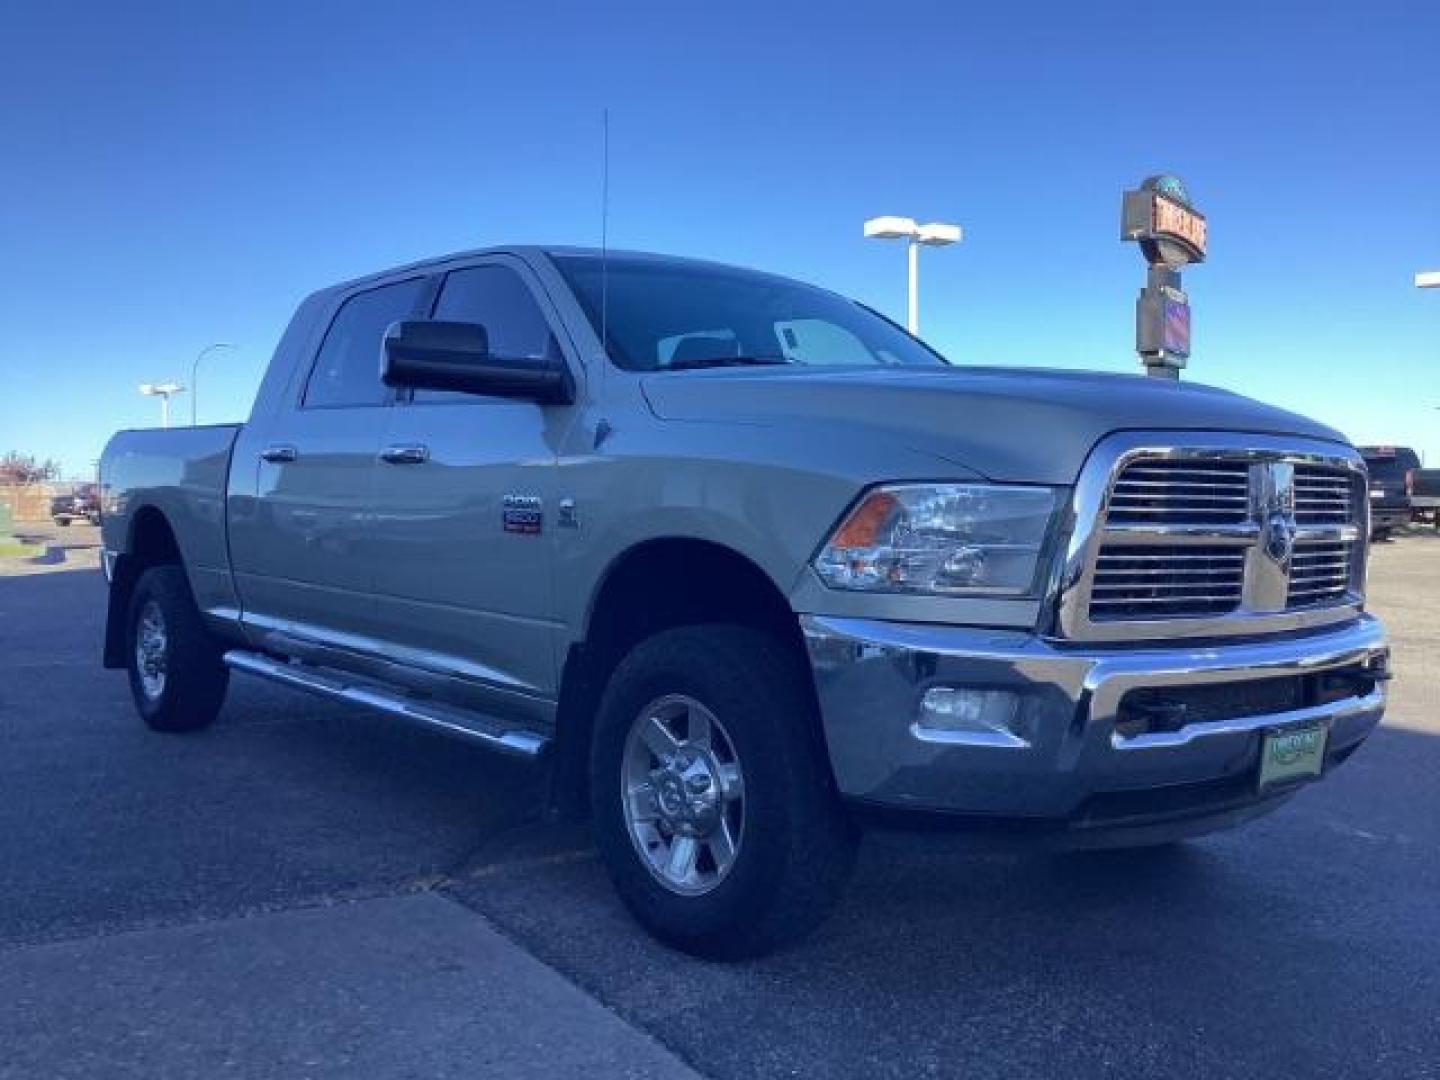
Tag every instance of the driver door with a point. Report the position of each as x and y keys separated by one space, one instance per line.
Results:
x=464 y=497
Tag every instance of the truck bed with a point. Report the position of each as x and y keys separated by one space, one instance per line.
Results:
x=1425 y=492
x=182 y=473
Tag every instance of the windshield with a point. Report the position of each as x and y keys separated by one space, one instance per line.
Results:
x=669 y=315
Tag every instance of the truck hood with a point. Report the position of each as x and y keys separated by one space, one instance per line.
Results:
x=1010 y=424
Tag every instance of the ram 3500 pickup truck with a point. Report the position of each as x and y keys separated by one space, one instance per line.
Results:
x=749 y=566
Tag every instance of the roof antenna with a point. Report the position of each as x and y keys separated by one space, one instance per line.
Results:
x=602 y=426
x=605 y=239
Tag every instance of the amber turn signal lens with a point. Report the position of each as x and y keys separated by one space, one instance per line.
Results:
x=862 y=527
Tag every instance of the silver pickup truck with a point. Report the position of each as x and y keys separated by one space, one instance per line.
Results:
x=748 y=566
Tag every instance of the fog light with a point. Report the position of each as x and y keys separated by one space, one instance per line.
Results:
x=966 y=714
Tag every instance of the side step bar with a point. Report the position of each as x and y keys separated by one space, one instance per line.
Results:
x=335 y=685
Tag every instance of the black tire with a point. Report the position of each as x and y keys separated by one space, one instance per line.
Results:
x=64 y=523
x=192 y=687
x=796 y=844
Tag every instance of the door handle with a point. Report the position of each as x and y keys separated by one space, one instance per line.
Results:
x=278 y=455
x=406 y=454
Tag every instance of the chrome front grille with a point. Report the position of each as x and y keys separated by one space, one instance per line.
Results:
x=1231 y=534
x=1159 y=491
x=1319 y=573
x=1324 y=496
x=1175 y=582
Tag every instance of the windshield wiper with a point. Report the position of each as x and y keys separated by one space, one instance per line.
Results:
x=724 y=361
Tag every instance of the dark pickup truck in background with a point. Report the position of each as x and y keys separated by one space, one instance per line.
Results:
x=1392 y=478
x=82 y=504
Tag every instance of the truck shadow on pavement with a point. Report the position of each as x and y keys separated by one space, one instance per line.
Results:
x=55 y=547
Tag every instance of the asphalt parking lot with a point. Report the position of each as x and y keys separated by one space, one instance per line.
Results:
x=1306 y=943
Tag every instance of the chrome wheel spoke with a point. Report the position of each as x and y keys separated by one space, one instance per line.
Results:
x=661 y=742
x=681 y=862
x=732 y=784
x=722 y=846
x=643 y=808
x=698 y=731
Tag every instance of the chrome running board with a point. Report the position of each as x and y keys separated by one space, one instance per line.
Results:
x=338 y=686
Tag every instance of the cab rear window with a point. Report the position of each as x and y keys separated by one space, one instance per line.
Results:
x=1386 y=468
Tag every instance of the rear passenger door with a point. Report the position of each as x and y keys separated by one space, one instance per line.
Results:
x=305 y=563
x=465 y=503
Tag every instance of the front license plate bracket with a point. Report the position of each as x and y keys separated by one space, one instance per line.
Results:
x=1291 y=754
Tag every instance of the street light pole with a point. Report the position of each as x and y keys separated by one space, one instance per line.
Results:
x=1429 y=279
x=912 y=320
x=164 y=391
x=935 y=234
x=195 y=375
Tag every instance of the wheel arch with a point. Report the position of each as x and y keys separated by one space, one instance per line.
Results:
x=149 y=541
x=684 y=581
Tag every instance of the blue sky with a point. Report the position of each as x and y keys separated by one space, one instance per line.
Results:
x=181 y=174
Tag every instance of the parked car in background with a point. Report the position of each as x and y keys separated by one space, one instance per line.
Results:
x=749 y=566
x=1392 y=477
x=1425 y=496
x=82 y=504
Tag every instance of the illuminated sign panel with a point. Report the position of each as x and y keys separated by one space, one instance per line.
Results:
x=1158 y=216
x=1170 y=220
x=1175 y=338
x=1162 y=324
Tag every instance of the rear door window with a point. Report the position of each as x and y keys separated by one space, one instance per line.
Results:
x=347 y=369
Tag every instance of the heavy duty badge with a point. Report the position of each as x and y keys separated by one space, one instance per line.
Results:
x=522 y=514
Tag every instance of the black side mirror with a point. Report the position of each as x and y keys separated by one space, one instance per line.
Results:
x=424 y=354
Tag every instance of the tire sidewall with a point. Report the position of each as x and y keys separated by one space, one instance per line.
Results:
x=666 y=665
x=195 y=677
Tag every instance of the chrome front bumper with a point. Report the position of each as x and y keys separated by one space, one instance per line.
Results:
x=1072 y=766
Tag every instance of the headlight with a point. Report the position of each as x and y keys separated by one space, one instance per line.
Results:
x=941 y=539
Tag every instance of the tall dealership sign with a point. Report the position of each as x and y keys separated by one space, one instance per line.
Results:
x=1172 y=234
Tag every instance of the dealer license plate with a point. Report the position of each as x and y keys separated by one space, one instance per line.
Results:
x=1292 y=754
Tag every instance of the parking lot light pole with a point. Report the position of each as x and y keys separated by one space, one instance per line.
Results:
x=195 y=376
x=164 y=391
x=935 y=234
x=1429 y=279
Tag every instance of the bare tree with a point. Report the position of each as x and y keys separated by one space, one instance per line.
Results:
x=18 y=468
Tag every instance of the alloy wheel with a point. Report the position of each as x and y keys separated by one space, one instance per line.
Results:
x=683 y=793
